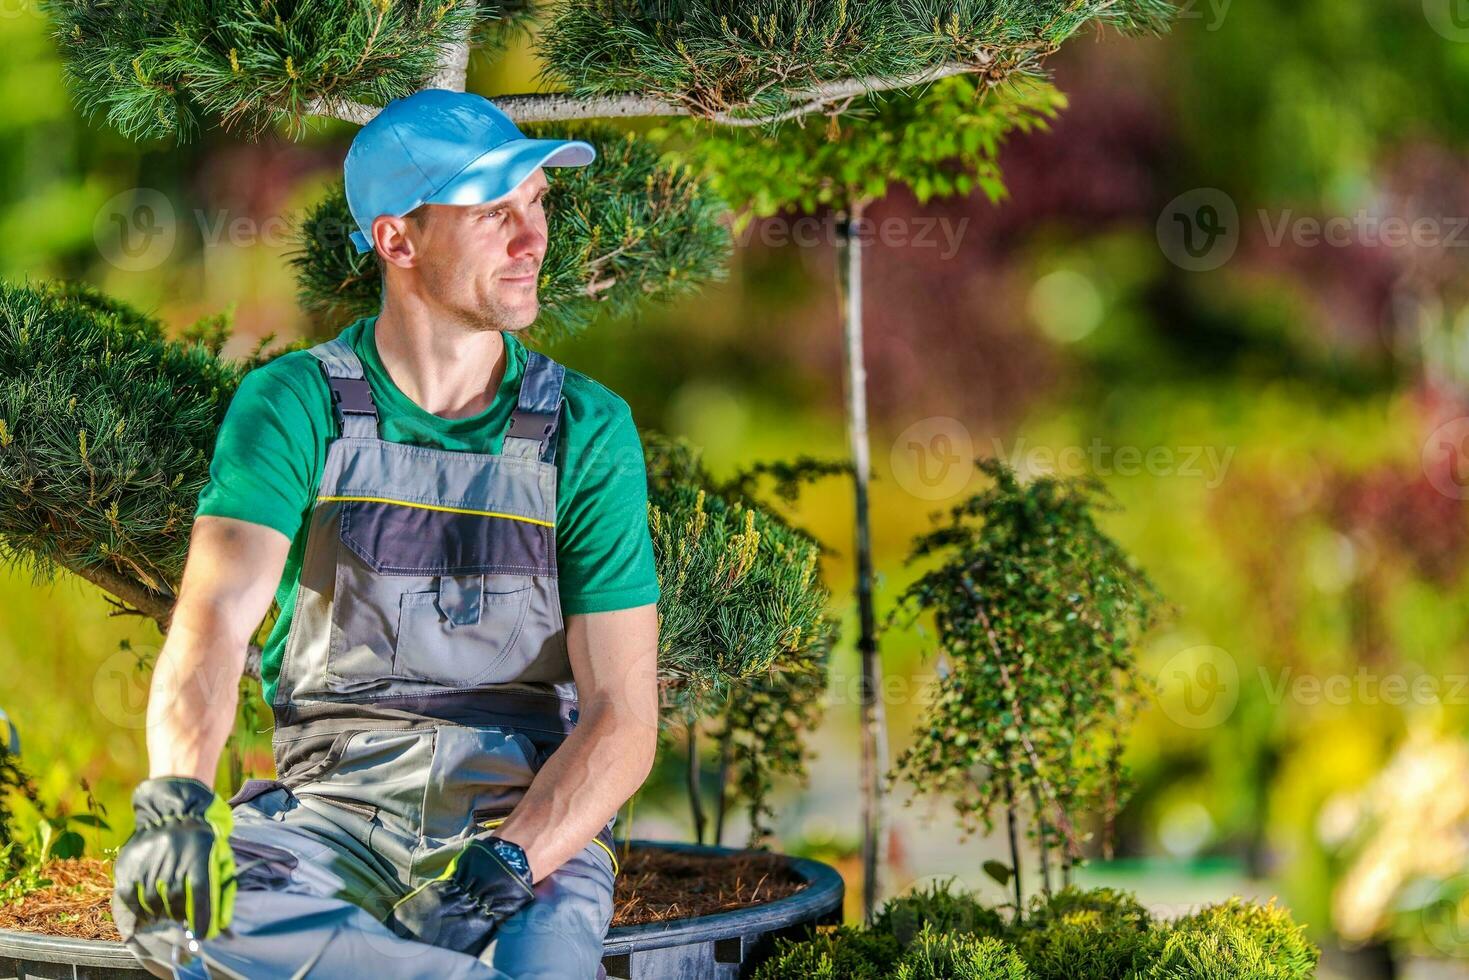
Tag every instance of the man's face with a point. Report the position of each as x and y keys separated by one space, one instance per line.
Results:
x=481 y=262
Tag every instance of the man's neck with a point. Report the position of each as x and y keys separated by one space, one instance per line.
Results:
x=445 y=367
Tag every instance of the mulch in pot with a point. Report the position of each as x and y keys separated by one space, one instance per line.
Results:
x=76 y=903
x=653 y=885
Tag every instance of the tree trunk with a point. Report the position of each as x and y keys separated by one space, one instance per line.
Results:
x=721 y=802
x=696 y=805
x=874 y=729
x=1043 y=840
x=1010 y=822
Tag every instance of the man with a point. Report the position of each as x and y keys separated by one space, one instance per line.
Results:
x=425 y=499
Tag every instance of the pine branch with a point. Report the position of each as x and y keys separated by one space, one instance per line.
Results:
x=158 y=66
x=136 y=596
x=562 y=107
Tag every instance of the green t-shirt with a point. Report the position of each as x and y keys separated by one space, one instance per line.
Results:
x=270 y=450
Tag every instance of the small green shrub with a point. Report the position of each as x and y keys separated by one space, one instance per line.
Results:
x=1112 y=905
x=1236 y=938
x=1226 y=952
x=937 y=933
x=956 y=956
x=845 y=953
x=1101 y=934
x=937 y=906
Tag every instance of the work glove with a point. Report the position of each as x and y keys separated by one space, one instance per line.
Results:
x=485 y=884
x=178 y=863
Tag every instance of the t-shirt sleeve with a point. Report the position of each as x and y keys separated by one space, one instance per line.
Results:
x=604 y=552
x=264 y=455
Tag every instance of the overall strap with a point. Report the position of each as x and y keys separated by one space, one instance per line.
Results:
x=533 y=424
x=351 y=396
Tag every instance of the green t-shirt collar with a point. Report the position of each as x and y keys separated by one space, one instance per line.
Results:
x=392 y=400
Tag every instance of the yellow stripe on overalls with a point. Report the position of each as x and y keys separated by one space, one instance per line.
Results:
x=616 y=867
x=449 y=510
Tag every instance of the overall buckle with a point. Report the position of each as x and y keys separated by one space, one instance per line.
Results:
x=353 y=396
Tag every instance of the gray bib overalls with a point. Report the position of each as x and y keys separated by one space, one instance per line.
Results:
x=424 y=681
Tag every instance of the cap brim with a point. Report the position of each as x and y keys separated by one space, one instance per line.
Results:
x=495 y=173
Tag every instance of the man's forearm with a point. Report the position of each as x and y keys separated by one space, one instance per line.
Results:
x=599 y=766
x=193 y=697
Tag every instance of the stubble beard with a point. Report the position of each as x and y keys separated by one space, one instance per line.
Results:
x=492 y=312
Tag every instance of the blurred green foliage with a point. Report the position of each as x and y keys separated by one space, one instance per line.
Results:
x=944 y=141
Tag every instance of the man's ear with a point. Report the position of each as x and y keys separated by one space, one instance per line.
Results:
x=392 y=240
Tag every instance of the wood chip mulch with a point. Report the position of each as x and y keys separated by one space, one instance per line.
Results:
x=77 y=903
x=653 y=885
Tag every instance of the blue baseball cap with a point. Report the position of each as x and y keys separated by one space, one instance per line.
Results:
x=438 y=146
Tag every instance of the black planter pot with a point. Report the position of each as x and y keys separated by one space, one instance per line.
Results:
x=724 y=946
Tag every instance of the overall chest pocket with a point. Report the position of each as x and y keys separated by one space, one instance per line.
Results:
x=434 y=595
x=462 y=632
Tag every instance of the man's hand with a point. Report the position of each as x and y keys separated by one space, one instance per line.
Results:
x=485 y=884
x=178 y=864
